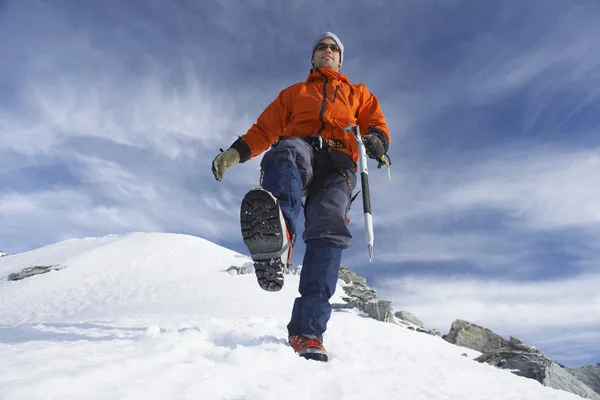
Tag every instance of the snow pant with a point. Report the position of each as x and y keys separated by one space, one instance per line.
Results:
x=290 y=169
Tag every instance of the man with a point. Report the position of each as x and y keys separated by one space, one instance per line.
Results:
x=311 y=155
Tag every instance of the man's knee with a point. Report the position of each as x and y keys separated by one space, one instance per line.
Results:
x=326 y=217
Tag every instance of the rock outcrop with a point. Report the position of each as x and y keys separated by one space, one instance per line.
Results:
x=528 y=362
x=523 y=360
x=32 y=271
x=409 y=317
x=362 y=297
x=409 y=321
x=588 y=374
x=474 y=337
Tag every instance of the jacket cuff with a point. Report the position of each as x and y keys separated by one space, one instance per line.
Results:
x=381 y=135
x=242 y=148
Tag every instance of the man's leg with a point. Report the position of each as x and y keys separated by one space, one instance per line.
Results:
x=268 y=214
x=287 y=169
x=326 y=235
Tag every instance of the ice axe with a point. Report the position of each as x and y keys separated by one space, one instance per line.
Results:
x=364 y=183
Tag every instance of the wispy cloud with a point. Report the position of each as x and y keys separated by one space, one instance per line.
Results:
x=487 y=164
x=137 y=146
x=491 y=210
x=538 y=188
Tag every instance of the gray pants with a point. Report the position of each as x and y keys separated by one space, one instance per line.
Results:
x=292 y=169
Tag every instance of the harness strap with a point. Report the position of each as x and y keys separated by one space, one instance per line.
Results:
x=323 y=144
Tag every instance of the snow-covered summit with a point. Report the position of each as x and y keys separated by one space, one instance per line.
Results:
x=144 y=316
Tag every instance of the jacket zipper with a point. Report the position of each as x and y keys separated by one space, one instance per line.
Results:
x=335 y=93
x=324 y=102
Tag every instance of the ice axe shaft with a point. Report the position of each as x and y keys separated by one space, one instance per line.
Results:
x=364 y=182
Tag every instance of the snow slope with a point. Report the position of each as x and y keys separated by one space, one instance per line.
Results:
x=155 y=316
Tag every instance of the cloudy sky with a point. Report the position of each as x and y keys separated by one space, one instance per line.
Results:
x=111 y=113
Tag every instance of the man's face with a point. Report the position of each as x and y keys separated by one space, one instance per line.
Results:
x=325 y=57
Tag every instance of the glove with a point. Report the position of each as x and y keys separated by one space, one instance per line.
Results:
x=223 y=162
x=374 y=146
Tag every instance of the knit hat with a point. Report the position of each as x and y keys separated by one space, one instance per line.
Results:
x=336 y=40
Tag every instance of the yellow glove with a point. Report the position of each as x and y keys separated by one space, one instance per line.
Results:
x=223 y=162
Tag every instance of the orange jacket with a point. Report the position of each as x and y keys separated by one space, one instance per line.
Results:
x=325 y=104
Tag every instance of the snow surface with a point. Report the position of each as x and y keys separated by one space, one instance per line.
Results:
x=155 y=316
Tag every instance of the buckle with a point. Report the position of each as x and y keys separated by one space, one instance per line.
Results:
x=316 y=142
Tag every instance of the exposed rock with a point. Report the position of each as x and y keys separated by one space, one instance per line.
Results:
x=31 y=271
x=522 y=360
x=588 y=374
x=409 y=317
x=350 y=277
x=361 y=296
x=378 y=309
x=560 y=378
x=3 y=253
x=234 y=270
x=412 y=327
x=409 y=321
x=364 y=298
x=474 y=337
x=528 y=362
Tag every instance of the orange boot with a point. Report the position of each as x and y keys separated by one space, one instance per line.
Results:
x=309 y=347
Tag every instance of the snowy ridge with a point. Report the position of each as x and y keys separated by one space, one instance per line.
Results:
x=155 y=316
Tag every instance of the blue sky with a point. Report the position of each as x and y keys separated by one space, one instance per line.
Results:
x=111 y=113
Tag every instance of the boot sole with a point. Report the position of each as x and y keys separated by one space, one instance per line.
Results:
x=315 y=356
x=264 y=237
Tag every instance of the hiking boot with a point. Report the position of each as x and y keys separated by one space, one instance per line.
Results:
x=309 y=347
x=265 y=234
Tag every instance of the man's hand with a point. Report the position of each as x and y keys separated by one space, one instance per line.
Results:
x=223 y=162
x=374 y=146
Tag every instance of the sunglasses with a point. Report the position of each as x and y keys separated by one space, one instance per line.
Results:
x=325 y=46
